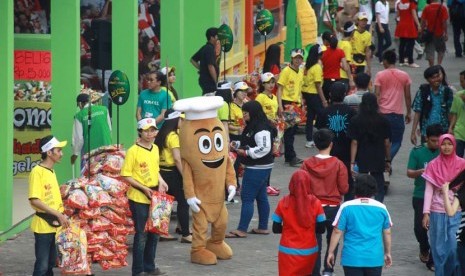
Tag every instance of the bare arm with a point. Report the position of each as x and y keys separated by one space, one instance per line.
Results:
x=414 y=173
x=453 y=121
x=387 y=247
x=138 y=114
x=377 y=91
x=451 y=209
x=378 y=22
x=212 y=71
x=177 y=158
x=353 y=154
x=335 y=237
x=37 y=203
x=368 y=59
x=196 y=64
x=415 y=18
x=319 y=89
x=279 y=95
x=346 y=67
x=134 y=183
x=408 y=103
x=160 y=117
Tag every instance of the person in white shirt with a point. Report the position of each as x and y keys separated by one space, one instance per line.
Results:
x=382 y=28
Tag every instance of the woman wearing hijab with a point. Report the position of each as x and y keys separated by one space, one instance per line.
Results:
x=297 y=217
x=255 y=152
x=442 y=228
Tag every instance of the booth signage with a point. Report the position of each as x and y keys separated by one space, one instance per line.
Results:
x=264 y=22
x=118 y=87
x=226 y=37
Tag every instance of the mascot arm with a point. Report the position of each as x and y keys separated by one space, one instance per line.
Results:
x=230 y=175
x=188 y=180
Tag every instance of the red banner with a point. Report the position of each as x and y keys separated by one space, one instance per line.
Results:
x=33 y=65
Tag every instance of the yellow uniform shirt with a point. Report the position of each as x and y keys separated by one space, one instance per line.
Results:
x=223 y=112
x=291 y=81
x=143 y=165
x=360 y=41
x=314 y=74
x=269 y=105
x=236 y=117
x=346 y=46
x=43 y=185
x=166 y=156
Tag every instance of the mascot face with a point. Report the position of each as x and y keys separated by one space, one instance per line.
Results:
x=203 y=143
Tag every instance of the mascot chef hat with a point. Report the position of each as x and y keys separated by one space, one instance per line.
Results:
x=198 y=108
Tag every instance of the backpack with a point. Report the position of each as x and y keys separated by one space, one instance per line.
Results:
x=426 y=103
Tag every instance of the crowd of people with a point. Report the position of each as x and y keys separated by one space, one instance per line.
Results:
x=360 y=125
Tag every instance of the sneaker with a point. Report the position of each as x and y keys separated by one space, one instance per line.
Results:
x=413 y=65
x=187 y=239
x=271 y=191
x=309 y=144
x=296 y=161
x=403 y=64
x=327 y=273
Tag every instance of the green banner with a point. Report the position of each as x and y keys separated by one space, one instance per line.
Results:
x=225 y=36
x=264 y=22
x=118 y=87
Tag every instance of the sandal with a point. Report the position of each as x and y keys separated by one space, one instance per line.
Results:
x=259 y=232
x=236 y=234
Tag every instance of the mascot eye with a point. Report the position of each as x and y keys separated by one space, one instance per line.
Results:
x=219 y=142
x=205 y=144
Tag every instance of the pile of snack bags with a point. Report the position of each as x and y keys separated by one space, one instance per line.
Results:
x=100 y=207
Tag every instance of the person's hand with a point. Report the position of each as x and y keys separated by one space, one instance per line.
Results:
x=163 y=187
x=330 y=259
x=148 y=192
x=450 y=131
x=387 y=166
x=413 y=138
x=381 y=30
x=194 y=203
x=425 y=221
x=325 y=103
x=408 y=118
x=64 y=222
x=387 y=260
x=445 y=188
x=231 y=192
x=73 y=159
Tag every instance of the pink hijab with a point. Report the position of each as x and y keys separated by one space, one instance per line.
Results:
x=300 y=194
x=444 y=168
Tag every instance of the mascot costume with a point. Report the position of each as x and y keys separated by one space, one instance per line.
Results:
x=207 y=171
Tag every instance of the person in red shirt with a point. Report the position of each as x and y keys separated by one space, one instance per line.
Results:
x=333 y=60
x=329 y=179
x=407 y=31
x=297 y=217
x=434 y=19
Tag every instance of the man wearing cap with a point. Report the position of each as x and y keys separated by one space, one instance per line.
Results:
x=142 y=171
x=100 y=127
x=204 y=60
x=290 y=92
x=361 y=42
x=153 y=102
x=45 y=199
x=344 y=44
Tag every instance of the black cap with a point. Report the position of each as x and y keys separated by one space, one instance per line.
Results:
x=82 y=98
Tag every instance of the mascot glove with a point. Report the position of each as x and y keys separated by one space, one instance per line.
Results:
x=194 y=204
x=231 y=192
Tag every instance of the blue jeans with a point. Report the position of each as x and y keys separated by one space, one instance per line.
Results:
x=254 y=188
x=443 y=243
x=314 y=107
x=145 y=244
x=46 y=254
x=461 y=256
x=460 y=147
x=330 y=213
x=363 y=271
x=397 y=124
x=384 y=40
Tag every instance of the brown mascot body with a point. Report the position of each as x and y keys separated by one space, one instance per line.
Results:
x=207 y=171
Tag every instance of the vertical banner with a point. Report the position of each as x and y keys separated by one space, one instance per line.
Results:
x=32 y=121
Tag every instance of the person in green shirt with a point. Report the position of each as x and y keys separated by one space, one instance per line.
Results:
x=100 y=127
x=457 y=117
x=418 y=160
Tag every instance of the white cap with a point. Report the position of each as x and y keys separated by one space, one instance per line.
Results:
x=146 y=123
x=224 y=85
x=240 y=86
x=266 y=77
x=164 y=70
x=173 y=115
x=53 y=143
x=362 y=15
x=198 y=108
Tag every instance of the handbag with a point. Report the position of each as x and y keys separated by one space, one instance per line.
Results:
x=49 y=218
x=426 y=35
x=158 y=221
x=359 y=58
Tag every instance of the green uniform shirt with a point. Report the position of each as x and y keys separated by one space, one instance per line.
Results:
x=419 y=158
x=458 y=108
x=100 y=133
x=421 y=5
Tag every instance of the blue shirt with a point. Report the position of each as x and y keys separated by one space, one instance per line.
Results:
x=152 y=103
x=362 y=220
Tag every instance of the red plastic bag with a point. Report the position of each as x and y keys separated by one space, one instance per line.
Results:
x=100 y=224
x=113 y=163
x=103 y=254
x=114 y=263
x=112 y=216
x=90 y=213
x=77 y=199
x=159 y=213
x=97 y=237
x=117 y=230
x=121 y=201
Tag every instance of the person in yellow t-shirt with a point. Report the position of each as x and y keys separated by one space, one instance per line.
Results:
x=312 y=90
x=290 y=92
x=141 y=170
x=45 y=199
x=167 y=141
x=168 y=82
x=236 y=123
x=267 y=100
x=346 y=45
x=361 y=43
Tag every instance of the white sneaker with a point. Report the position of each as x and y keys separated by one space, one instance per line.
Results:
x=326 y=273
x=309 y=144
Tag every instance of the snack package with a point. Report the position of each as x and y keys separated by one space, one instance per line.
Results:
x=103 y=254
x=112 y=216
x=115 y=246
x=117 y=230
x=97 y=237
x=71 y=244
x=121 y=201
x=77 y=199
x=100 y=224
x=159 y=213
x=113 y=186
x=113 y=163
x=114 y=263
x=90 y=213
x=64 y=191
